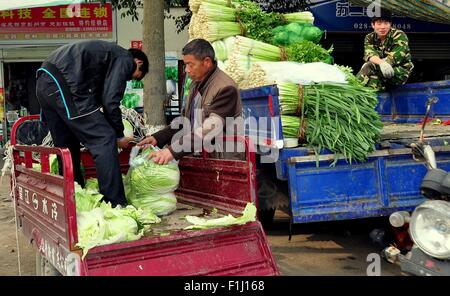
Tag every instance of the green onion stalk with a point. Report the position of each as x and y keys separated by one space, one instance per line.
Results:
x=339 y=117
x=291 y=126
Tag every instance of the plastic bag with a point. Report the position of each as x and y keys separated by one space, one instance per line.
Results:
x=149 y=185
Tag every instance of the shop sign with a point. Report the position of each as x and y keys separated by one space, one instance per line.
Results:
x=63 y=22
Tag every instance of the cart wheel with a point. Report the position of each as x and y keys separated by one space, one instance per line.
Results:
x=45 y=268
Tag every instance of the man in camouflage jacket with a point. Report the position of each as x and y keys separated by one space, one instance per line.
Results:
x=387 y=55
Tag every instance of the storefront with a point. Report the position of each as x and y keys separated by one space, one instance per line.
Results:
x=28 y=35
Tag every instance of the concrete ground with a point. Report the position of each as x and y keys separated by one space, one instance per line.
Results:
x=339 y=248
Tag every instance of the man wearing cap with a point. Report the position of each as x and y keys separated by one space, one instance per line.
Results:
x=386 y=54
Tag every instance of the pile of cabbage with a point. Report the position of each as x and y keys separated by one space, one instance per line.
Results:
x=149 y=189
x=100 y=224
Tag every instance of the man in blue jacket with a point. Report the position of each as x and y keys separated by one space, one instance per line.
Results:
x=79 y=88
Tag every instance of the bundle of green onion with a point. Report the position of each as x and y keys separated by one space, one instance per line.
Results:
x=339 y=117
x=289 y=98
x=291 y=126
x=213 y=21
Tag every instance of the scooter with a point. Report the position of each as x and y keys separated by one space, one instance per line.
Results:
x=428 y=226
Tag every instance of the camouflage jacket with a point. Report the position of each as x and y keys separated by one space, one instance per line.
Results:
x=395 y=49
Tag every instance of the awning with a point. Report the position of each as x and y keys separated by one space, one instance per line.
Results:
x=437 y=11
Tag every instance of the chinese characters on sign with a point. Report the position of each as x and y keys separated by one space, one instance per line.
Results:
x=342 y=16
x=344 y=9
x=39 y=203
x=84 y=21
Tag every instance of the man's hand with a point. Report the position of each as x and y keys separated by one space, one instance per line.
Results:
x=163 y=156
x=122 y=143
x=387 y=69
x=148 y=141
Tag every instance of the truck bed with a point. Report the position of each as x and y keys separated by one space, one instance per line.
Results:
x=394 y=131
x=176 y=222
x=388 y=181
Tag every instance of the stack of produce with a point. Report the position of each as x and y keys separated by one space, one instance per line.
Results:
x=295 y=32
x=100 y=224
x=216 y=19
x=214 y=22
x=247 y=51
x=338 y=117
x=219 y=21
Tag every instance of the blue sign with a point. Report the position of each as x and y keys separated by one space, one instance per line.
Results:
x=342 y=16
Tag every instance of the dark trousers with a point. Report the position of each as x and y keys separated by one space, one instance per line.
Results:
x=92 y=130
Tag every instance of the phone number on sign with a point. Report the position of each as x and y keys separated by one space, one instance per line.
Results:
x=365 y=26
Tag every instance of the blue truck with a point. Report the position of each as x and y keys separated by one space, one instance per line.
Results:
x=387 y=182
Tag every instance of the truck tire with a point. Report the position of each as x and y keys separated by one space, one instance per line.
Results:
x=44 y=267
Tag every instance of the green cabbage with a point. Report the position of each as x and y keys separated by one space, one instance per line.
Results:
x=160 y=204
x=104 y=225
x=54 y=166
x=91 y=229
x=150 y=186
x=87 y=199
x=91 y=184
x=248 y=215
x=153 y=178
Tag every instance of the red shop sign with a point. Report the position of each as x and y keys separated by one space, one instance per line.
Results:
x=81 y=21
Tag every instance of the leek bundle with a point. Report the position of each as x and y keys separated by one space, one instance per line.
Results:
x=291 y=126
x=216 y=13
x=338 y=117
x=213 y=22
x=213 y=31
x=245 y=52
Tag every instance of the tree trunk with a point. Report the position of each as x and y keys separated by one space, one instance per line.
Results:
x=153 y=45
